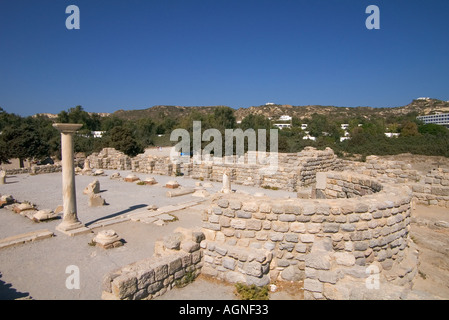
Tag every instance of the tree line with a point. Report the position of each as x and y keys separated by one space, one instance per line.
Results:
x=35 y=138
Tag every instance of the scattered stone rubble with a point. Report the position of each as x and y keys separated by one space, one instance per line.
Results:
x=295 y=169
x=351 y=222
x=176 y=261
x=27 y=209
x=92 y=190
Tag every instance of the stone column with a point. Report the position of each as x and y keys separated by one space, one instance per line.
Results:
x=2 y=177
x=226 y=182
x=70 y=219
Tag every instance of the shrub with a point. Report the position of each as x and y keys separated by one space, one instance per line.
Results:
x=252 y=292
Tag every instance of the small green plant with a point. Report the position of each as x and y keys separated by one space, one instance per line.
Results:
x=189 y=277
x=422 y=274
x=92 y=243
x=252 y=292
x=140 y=183
x=270 y=188
x=179 y=173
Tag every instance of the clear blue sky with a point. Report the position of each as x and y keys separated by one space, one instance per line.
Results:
x=135 y=54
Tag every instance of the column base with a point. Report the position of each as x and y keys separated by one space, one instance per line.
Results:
x=73 y=228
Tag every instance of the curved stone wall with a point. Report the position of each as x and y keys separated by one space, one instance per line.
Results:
x=363 y=226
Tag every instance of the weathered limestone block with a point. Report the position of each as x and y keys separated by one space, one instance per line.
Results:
x=98 y=172
x=95 y=200
x=43 y=215
x=179 y=192
x=172 y=184
x=87 y=170
x=107 y=239
x=93 y=187
x=115 y=176
x=149 y=181
x=131 y=178
x=2 y=177
x=23 y=207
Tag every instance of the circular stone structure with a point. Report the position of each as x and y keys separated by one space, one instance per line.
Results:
x=358 y=227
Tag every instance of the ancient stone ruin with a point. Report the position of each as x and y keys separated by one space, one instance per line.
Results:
x=359 y=222
x=349 y=223
x=358 y=226
x=295 y=169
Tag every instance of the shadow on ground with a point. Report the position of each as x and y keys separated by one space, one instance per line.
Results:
x=132 y=208
x=7 y=292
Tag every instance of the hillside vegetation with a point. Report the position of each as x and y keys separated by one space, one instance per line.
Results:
x=133 y=130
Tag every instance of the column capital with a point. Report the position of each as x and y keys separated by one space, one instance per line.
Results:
x=67 y=127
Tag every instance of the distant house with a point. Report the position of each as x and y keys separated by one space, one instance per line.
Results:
x=269 y=104
x=344 y=126
x=285 y=118
x=344 y=138
x=392 y=134
x=97 y=134
x=309 y=137
x=304 y=126
x=282 y=125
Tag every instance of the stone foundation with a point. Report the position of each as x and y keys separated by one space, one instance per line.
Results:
x=176 y=261
x=361 y=223
x=295 y=170
x=36 y=169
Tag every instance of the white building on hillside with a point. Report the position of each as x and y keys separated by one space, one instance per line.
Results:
x=97 y=134
x=285 y=118
x=282 y=125
x=439 y=118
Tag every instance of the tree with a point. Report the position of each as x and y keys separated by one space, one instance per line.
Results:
x=122 y=139
x=223 y=118
x=78 y=115
x=145 y=130
x=24 y=142
x=3 y=152
x=433 y=129
x=409 y=129
x=255 y=122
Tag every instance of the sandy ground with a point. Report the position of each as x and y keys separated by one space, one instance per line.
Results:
x=38 y=269
x=433 y=244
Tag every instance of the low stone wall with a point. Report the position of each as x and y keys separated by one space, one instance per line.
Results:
x=333 y=186
x=294 y=171
x=433 y=189
x=258 y=240
x=399 y=171
x=176 y=262
x=110 y=159
x=36 y=169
